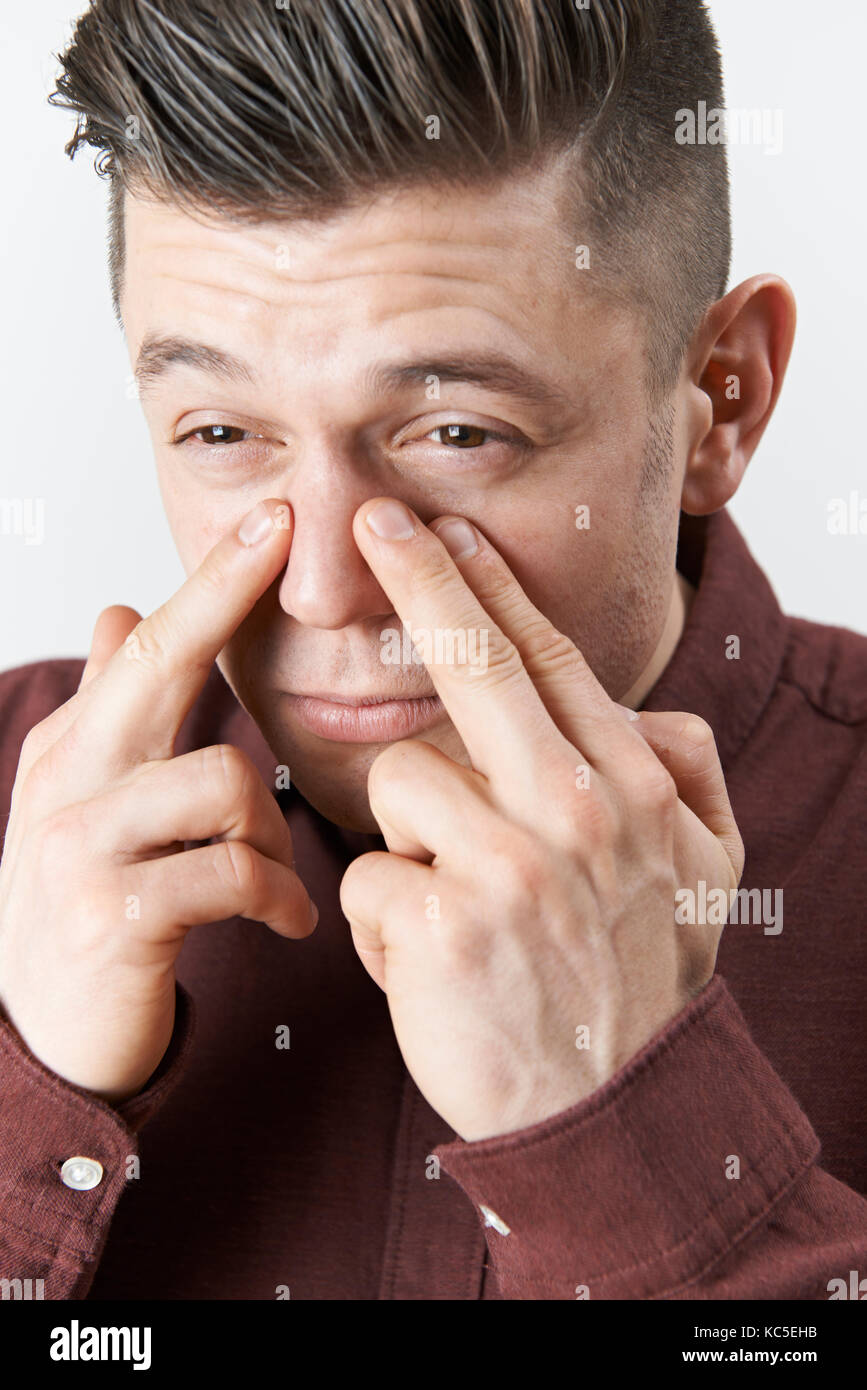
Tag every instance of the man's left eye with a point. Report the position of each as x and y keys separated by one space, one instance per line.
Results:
x=464 y=436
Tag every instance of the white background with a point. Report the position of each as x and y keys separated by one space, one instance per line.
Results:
x=73 y=436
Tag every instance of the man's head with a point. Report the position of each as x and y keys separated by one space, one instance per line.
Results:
x=329 y=220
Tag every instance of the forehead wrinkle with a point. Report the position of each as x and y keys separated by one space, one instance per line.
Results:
x=283 y=278
x=211 y=285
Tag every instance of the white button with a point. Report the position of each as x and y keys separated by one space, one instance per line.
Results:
x=81 y=1173
x=492 y=1219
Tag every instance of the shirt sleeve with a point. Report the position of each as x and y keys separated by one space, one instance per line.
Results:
x=48 y=1230
x=691 y=1174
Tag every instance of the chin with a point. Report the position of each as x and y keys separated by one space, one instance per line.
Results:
x=335 y=782
x=341 y=799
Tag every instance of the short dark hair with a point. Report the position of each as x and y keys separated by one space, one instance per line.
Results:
x=260 y=110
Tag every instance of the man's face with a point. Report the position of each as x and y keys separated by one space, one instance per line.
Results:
x=315 y=312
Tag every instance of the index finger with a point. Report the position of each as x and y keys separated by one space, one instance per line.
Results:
x=141 y=698
x=476 y=669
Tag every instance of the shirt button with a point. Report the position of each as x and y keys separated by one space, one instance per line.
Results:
x=492 y=1219
x=81 y=1173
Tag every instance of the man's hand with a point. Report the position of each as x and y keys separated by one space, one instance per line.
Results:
x=531 y=897
x=96 y=891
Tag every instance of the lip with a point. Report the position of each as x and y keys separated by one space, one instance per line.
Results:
x=364 y=718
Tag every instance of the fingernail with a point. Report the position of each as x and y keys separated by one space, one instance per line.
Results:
x=458 y=537
x=256 y=525
x=391 y=521
x=314 y=912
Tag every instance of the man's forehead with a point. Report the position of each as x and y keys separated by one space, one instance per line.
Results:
x=456 y=230
x=250 y=292
x=495 y=266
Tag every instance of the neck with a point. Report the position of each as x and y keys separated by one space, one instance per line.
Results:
x=682 y=595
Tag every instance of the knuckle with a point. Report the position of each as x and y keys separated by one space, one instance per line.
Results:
x=563 y=821
x=348 y=889
x=31 y=784
x=519 y=869
x=531 y=872
x=238 y=867
x=378 y=779
x=655 y=789
x=35 y=741
x=29 y=794
x=543 y=645
x=212 y=576
x=499 y=584
x=465 y=949
x=398 y=759
x=37 y=789
x=42 y=746
x=595 y=829
x=399 y=762
x=148 y=642
x=504 y=664
x=434 y=577
x=360 y=877
x=60 y=838
x=158 y=644
x=229 y=768
x=697 y=736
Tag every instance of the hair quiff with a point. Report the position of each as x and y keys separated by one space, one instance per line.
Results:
x=265 y=109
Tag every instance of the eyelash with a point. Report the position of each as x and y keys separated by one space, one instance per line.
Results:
x=491 y=435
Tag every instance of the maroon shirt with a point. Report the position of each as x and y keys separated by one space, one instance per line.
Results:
x=321 y=1170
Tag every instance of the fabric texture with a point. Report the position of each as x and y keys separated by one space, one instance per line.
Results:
x=727 y=1160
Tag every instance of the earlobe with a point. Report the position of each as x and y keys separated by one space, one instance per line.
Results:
x=738 y=361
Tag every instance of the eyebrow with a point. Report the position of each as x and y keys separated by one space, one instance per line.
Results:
x=159 y=354
x=494 y=371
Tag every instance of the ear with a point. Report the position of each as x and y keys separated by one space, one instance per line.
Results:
x=733 y=374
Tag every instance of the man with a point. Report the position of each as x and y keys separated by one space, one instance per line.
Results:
x=493 y=746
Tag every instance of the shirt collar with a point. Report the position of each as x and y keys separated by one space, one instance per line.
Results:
x=733 y=601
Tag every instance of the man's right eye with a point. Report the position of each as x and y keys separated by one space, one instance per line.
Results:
x=218 y=434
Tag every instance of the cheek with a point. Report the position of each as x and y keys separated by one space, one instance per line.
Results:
x=565 y=544
x=197 y=521
x=594 y=558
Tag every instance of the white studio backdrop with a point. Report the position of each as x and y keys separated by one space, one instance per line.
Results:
x=73 y=434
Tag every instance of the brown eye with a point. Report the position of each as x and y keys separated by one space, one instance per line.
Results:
x=464 y=436
x=220 y=434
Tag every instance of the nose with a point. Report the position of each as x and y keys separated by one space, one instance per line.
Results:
x=327 y=582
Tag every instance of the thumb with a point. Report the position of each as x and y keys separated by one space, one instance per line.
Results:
x=686 y=747
x=111 y=630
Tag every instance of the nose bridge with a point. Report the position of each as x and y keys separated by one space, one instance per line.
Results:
x=327 y=582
